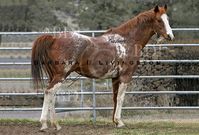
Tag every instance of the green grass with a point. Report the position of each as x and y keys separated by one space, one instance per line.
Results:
x=159 y=128
x=132 y=128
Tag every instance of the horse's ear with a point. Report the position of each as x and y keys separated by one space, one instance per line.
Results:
x=165 y=7
x=156 y=9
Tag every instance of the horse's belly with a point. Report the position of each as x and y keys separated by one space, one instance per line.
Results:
x=110 y=74
x=98 y=70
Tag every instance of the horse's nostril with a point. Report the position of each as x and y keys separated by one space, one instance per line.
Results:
x=170 y=37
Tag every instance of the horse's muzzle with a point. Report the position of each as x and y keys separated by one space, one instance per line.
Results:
x=170 y=37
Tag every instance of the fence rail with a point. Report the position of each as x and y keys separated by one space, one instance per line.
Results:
x=88 y=31
x=148 y=45
x=142 y=61
x=102 y=93
x=134 y=77
x=104 y=108
x=94 y=92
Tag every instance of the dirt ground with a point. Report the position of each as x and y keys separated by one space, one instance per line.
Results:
x=102 y=128
x=66 y=130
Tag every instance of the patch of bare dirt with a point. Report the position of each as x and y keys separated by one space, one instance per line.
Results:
x=29 y=129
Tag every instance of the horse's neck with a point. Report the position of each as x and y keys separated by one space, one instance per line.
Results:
x=140 y=35
x=137 y=39
x=137 y=33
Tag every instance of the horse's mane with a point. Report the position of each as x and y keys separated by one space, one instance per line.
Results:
x=125 y=27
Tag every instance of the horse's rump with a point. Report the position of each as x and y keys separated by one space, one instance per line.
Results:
x=41 y=60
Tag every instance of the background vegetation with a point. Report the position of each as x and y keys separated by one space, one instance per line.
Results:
x=37 y=15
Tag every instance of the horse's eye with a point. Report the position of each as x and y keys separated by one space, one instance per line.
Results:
x=159 y=20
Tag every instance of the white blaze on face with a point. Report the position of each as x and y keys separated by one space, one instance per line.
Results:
x=164 y=18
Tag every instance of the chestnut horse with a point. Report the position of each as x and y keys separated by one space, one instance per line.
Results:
x=115 y=54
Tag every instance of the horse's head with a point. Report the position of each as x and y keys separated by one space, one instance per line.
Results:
x=161 y=23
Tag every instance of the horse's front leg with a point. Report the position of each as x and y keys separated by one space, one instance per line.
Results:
x=115 y=86
x=120 y=99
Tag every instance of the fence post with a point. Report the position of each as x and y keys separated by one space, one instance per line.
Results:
x=107 y=84
x=94 y=101
x=94 y=97
x=82 y=96
x=93 y=34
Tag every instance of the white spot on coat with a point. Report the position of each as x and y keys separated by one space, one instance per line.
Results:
x=119 y=43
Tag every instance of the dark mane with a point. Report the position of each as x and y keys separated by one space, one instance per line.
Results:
x=125 y=27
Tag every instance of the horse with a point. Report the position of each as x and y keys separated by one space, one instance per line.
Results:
x=113 y=55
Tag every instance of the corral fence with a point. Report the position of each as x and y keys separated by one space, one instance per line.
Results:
x=94 y=93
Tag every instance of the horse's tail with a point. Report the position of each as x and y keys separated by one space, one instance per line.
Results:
x=40 y=60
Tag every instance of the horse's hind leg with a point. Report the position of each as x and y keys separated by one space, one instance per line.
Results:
x=53 y=120
x=52 y=108
x=44 y=114
x=49 y=104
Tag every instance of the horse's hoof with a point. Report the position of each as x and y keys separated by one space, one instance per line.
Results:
x=120 y=125
x=58 y=128
x=43 y=129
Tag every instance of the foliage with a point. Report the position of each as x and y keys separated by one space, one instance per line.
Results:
x=185 y=13
x=104 y=13
x=36 y=15
x=28 y=16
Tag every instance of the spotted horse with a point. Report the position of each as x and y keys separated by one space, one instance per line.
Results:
x=114 y=55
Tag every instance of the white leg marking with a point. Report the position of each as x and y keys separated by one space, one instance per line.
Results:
x=53 y=120
x=44 y=114
x=120 y=99
x=49 y=106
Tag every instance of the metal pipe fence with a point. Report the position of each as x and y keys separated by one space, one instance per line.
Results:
x=94 y=108
x=93 y=32
x=148 y=45
x=142 y=61
x=101 y=93
x=133 y=77
x=104 y=108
